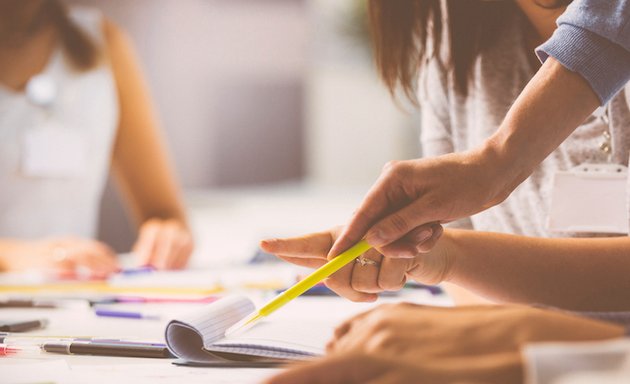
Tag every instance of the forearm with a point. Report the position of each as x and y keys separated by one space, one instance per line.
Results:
x=148 y=184
x=593 y=39
x=576 y=274
x=550 y=107
x=140 y=158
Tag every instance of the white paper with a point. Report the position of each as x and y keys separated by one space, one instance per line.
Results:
x=589 y=201
x=193 y=337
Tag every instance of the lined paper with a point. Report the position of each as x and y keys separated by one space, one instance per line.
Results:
x=196 y=336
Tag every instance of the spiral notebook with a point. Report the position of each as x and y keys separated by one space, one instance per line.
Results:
x=199 y=337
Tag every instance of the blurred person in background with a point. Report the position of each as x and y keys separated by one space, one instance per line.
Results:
x=73 y=104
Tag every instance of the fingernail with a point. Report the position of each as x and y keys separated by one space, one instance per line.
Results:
x=425 y=235
x=376 y=239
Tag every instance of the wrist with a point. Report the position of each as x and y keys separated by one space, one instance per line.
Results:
x=451 y=252
x=436 y=266
x=454 y=251
x=504 y=164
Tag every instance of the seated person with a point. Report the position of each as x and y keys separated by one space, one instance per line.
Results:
x=73 y=106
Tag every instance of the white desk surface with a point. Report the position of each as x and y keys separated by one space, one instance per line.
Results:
x=81 y=321
x=228 y=225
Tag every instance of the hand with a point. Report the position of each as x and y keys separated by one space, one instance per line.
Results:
x=164 y=244
x=411 y=194
x=361 y=367
x=394 y=264
x=404 y=343
x=65 y=257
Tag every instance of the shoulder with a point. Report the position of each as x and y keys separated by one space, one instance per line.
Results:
x=99 y=27
x=117 y=42
x=113 y=33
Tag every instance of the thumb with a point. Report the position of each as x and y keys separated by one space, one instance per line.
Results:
x=398 y=224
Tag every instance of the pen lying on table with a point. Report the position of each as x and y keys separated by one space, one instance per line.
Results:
x=109 y=348
x=38 y=340
x=104 y=312
x=23 y=325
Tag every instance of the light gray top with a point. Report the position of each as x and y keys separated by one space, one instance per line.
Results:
x=451 y=123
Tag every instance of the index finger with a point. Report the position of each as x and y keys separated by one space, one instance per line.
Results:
x=311 y=245
x=144 y=247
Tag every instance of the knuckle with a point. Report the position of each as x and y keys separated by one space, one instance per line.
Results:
x=395 y=168
x=302 y=246
x=354 y=298
x=382 y=322
x=381 y=340
x=389 y=285
x=382 y=310
x=364 y=286
x=390 y=166
x=334 y=283
x=398 y=223
x=340 y=330
x=406 y=251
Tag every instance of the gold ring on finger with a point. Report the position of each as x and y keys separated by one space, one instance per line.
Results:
x=365 y=261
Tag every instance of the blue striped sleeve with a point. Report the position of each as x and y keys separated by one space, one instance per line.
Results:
x=593 y=39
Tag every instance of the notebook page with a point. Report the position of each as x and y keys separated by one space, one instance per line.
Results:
x=187 y=336
x=280 y=338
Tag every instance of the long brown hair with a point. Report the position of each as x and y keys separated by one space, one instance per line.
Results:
x=22 y=19
x=402 y=30
x=80 y=49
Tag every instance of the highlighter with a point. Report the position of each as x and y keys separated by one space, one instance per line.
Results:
x=299 y=288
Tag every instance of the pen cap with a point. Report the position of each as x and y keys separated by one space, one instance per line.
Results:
x=57 y=347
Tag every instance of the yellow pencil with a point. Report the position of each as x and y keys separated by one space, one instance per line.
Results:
x=304 y=285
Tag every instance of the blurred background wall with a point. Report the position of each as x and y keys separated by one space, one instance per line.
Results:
x=253 y=92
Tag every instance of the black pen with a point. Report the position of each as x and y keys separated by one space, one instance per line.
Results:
x=104 y=348
x=21 y=326
x=25 y=303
